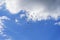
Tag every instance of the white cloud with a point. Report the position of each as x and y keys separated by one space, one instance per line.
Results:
x=8 y=38
x=37 y=14
x=41 y=15
x=57 y=23
x=22 y=15
x=2 y=18
x=12 y=6
x=2 y=27
x=36 y=9
x=16 y=20
x=1 y=2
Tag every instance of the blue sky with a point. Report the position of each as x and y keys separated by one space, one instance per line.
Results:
x=40 y=30
x=26 y=24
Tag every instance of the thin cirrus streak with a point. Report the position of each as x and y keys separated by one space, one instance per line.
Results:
x=36 y=9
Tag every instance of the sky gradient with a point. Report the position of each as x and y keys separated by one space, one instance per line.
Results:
x=29 y=20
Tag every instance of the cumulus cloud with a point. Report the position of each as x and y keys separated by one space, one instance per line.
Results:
x=12 y=6
x=36 y=9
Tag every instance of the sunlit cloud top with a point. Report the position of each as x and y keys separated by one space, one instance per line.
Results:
x=36 y=9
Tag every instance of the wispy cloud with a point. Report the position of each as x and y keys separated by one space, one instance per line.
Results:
x=2 y=27
x=2 y=18
x=57 y=23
